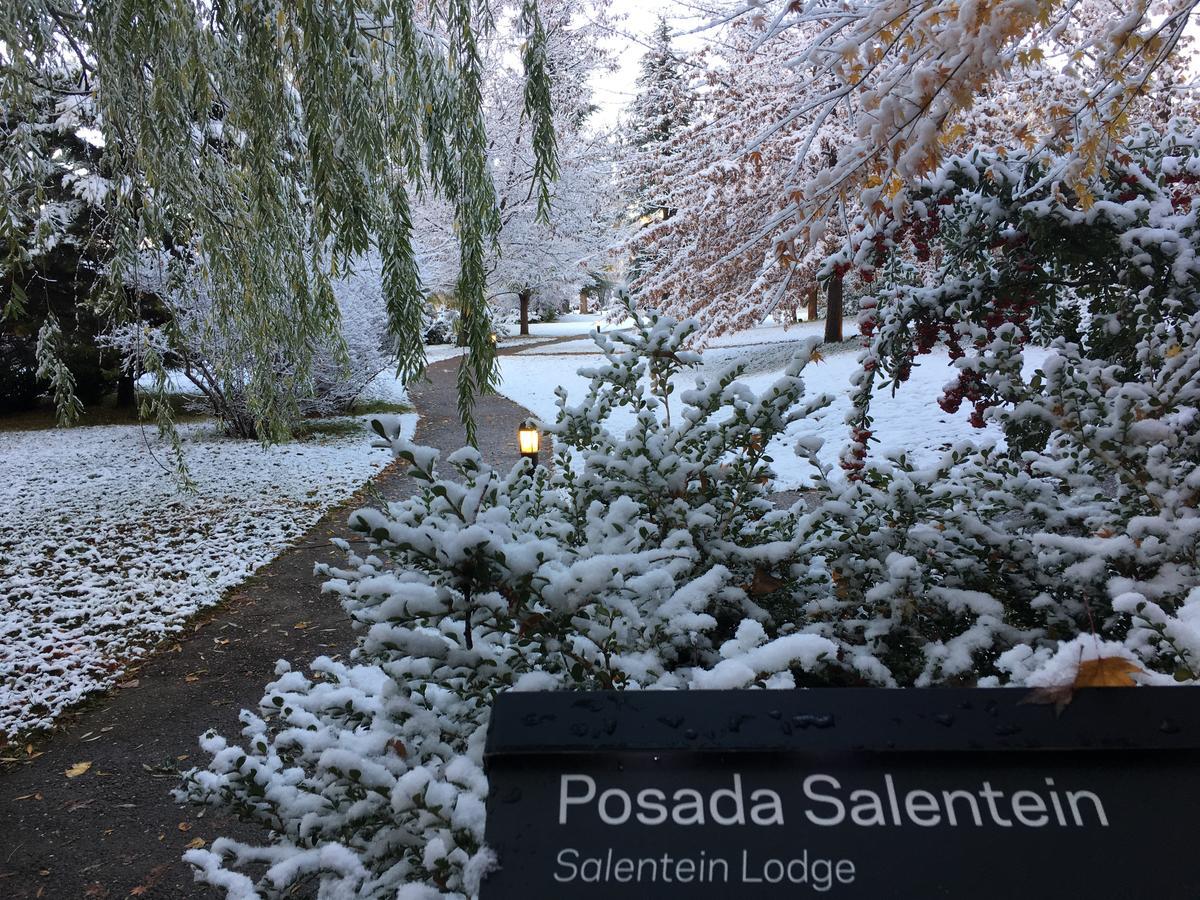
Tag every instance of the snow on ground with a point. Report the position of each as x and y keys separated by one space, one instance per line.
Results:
x=572 y=324
x=770 y=333
x=438 y=352
x=577 y=346
x=101 y=555
x=909 y=421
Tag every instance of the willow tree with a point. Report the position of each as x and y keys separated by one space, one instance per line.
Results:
x=538 y=257
x=262 y=146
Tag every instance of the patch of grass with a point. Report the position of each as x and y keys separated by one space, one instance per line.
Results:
x=380 y=407
x=351 y=423
x=106 y=412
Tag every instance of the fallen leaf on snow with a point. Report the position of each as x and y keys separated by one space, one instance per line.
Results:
x=1107 y=671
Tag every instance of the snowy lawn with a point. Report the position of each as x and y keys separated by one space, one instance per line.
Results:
x=101 y=556
x=909 y=421
x=572 y=324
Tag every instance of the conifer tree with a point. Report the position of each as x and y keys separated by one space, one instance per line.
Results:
x=660 y=111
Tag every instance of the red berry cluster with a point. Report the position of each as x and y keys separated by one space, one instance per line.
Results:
x=1184 y=189
x=921 y=230
x=970 y=387
x=854 y=458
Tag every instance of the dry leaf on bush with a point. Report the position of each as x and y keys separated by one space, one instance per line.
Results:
x=764 y=583
x=1107 y=671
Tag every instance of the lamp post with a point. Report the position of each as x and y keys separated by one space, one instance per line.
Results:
x=528 y=440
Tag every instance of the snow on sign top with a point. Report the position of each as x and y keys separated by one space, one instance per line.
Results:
x=850 y=793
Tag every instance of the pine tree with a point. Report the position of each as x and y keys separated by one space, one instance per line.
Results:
x=661 y=110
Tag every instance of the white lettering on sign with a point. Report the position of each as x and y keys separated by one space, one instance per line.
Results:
x=609 y=867
x=832 y=806
x=685 y=806
x=829 y=804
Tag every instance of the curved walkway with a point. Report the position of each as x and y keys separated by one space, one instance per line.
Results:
x=115 y=831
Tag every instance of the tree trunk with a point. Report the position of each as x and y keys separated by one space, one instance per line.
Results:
x=524 y=297
x=833 y=309
x=813 y=297
x=125 y=393
x=583 y=303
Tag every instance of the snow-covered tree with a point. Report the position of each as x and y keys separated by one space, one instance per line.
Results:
x=724 y=254
x=549 y=236
x=217 y=360
x=273 y=146
x=661 y=109
x=56 y=237
x=912 y=68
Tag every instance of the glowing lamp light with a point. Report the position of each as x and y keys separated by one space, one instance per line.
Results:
x=529 y=441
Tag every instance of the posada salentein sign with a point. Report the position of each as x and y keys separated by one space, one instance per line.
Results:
x=849 y=793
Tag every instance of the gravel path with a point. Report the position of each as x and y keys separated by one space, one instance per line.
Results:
x=114 y=830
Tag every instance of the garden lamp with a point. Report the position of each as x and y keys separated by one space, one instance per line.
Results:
x=529 y=440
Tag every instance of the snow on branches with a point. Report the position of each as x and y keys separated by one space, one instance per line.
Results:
x=638 y=560
x=1088 y=522
x=913 y=68
x=549 y=235
x=272 y=147
x=714 y=196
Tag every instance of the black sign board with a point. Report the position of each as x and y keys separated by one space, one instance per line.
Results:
x=848 y=793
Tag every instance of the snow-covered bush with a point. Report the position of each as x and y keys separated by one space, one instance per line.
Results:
x=652 y=559
x=655 y=560
x=1087 y=521
x=441 y=326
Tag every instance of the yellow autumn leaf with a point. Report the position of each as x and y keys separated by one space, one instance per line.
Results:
x=953 y=133
x=1107 y=671
x=78 y=769
x=196 y=843
x=1173 y=351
